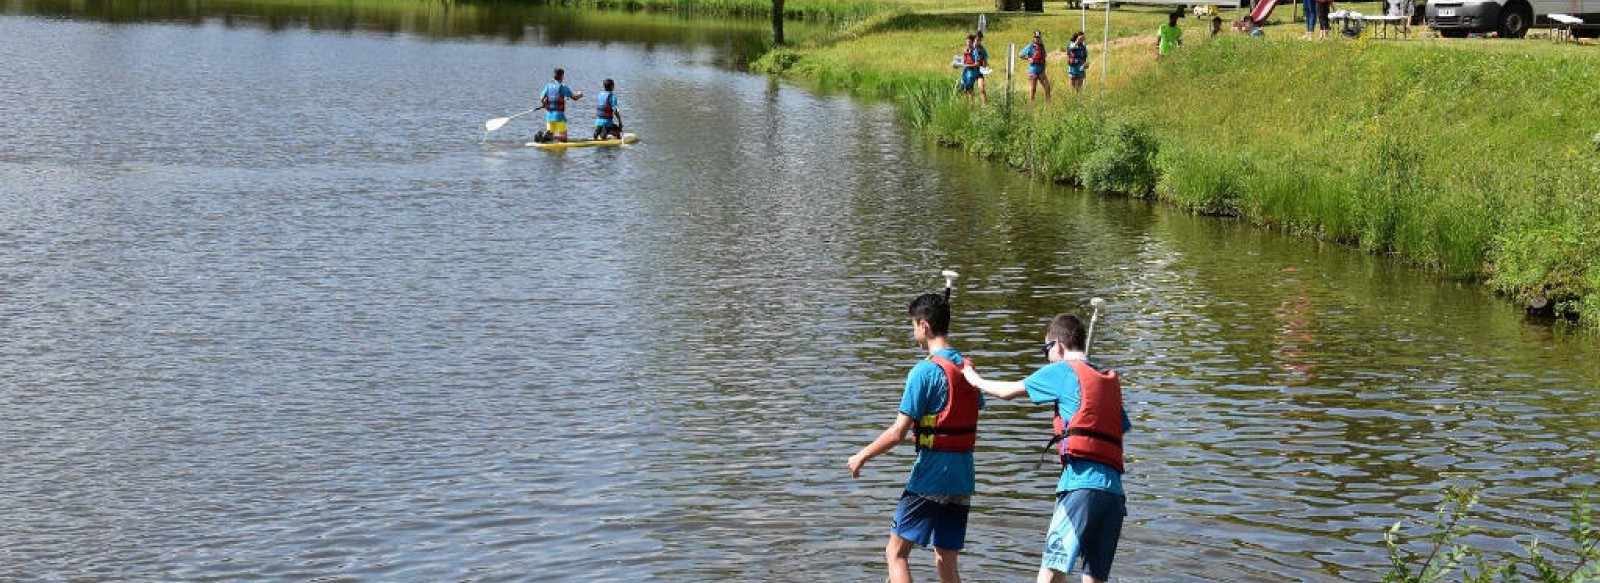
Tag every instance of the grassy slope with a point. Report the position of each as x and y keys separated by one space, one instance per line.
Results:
x=1474 y=158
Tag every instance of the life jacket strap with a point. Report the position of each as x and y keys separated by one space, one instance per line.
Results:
x=946 y=430
x=1094 y=435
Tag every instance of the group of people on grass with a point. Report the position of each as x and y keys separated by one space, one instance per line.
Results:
x=940 y=405
x=975 y=58
x=553 y=100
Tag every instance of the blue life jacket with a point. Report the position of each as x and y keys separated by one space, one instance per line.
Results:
x=551 y=100
x=604 y=108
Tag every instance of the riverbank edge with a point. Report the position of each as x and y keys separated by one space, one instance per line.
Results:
x=1431 y=195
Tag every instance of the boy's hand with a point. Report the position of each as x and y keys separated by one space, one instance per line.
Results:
x=855 y=463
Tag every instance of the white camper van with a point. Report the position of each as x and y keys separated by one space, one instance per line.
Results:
x=1507 y=18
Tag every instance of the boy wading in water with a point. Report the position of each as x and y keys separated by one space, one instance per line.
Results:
x=941 y=408
x=1089 y=425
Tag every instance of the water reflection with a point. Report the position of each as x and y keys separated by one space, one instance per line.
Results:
x=733 y=41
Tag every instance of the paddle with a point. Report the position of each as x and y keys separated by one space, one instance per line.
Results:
x=949 y=282
x=499 y=122
x=1089 y=339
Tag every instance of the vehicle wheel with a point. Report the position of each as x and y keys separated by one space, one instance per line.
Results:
x=1514 y=20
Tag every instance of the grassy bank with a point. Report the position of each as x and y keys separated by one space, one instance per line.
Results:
x=1476 y=159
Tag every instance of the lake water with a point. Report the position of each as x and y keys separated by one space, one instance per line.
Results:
x=269 y=310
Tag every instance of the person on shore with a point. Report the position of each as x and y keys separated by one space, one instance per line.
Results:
x=941 y=408
x=1310 y=9
x=1035 y=53
x=1216 y=26
x=554 y=100
x=608 y=117
x=1168 y=37
x=973 y=60
x=1089 y=424
x=1323 y=8
x=1077 y=61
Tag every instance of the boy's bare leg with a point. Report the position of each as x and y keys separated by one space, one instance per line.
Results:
x=898 y=553
x=945 y=559
x=1048 y=575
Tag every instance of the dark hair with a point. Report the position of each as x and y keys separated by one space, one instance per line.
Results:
x=931 y=308
x=560 y=73
x=609 y=84
x=970 y=37
x=1067 y=329
x=1172 y=19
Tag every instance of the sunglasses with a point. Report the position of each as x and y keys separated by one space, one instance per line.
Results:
x=1047 y=346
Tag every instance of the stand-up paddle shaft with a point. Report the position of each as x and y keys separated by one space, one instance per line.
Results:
x=499 y=122
x=949 y=282
x=1089 y=338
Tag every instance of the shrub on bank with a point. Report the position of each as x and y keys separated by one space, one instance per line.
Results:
x=1203 y=180
x=1122 y=160
x=1445 y=557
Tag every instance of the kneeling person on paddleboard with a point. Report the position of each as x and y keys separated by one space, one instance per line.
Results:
x=1089 y=425
x=941 y=409
x=554 y=100
x=608 y=117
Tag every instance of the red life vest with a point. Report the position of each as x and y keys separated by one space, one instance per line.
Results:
x=1037 y=58
x=968 y=59
x=955 y=427
x=602 y=110
x=1095 y=432
x=551 y=100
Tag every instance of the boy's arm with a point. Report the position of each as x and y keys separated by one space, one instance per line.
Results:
x=885 y=442
x=1004 y=390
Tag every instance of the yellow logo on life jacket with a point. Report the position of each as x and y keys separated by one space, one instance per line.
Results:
x=926 y=423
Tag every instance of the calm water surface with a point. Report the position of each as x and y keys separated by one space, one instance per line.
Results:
x=270 y=311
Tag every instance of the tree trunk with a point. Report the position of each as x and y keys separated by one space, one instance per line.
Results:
x=777 y=22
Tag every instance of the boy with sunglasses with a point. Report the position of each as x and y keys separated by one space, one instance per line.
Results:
x=941 y=408
x=1089 y=425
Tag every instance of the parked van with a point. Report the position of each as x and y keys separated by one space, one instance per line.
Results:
x=1506 y=18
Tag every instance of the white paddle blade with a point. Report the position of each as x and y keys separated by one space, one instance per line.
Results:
x=495 y=124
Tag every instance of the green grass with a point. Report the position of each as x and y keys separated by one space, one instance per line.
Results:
x=1476 y=159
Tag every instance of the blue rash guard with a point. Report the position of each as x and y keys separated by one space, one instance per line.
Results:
x=946 y=473
x=1058 y=383
x=555 y=92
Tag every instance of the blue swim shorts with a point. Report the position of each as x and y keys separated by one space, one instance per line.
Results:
x=1035 y=71
x=1085 y=529
x=940 y=521
x=969 y=77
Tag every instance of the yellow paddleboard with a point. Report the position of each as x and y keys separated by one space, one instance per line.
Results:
x=626 y=139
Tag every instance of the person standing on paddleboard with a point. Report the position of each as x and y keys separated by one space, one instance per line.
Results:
x=941 y=409
x=1089 y=424
x=608 y=117
x=554 y=100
